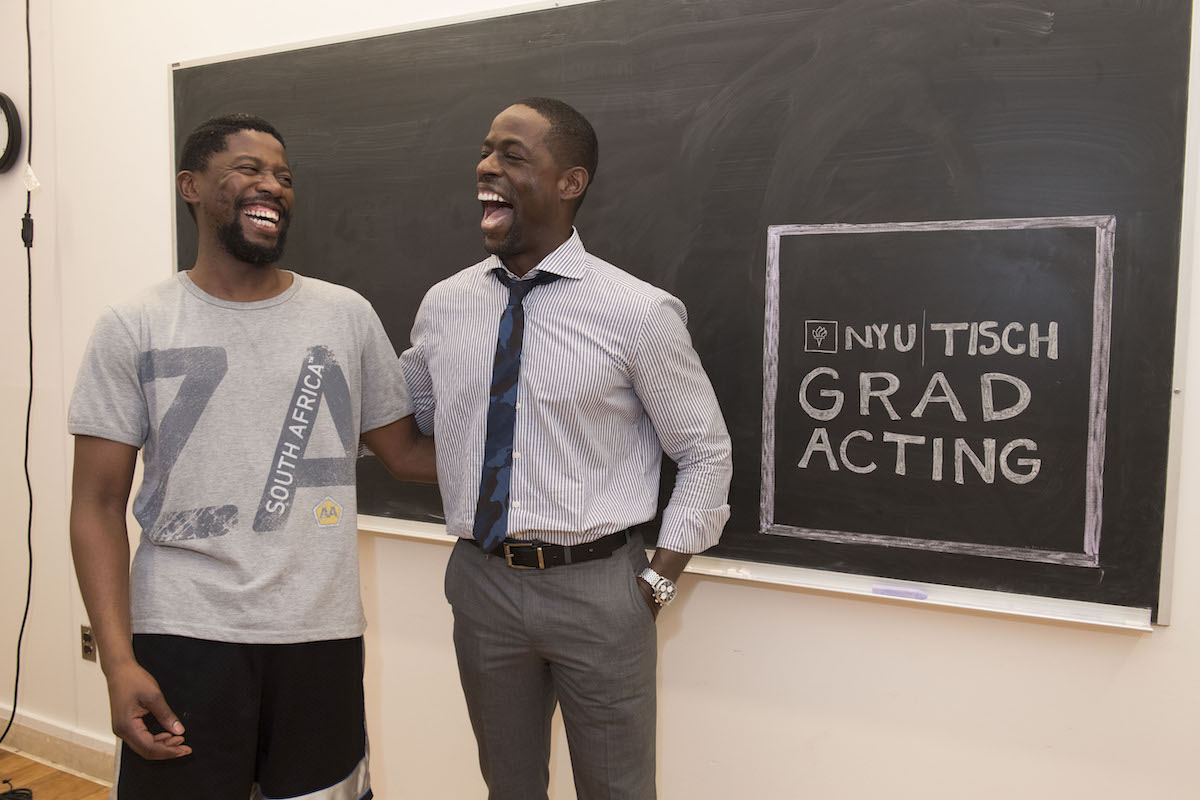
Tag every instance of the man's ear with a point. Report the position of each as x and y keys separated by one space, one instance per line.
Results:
x=573 y=182
x=185 y=182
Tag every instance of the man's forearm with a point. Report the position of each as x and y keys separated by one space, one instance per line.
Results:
x=669 y=563
x=100 y=546
x=406 y=453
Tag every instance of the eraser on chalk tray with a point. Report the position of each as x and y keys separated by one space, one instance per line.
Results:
x=897 y=591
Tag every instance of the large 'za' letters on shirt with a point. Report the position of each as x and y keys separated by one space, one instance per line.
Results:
x=321 y=378
x=202 y=369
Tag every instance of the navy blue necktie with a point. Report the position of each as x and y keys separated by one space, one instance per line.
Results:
x=491 y=514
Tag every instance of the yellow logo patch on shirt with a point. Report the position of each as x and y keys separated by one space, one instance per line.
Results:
x=328 y=512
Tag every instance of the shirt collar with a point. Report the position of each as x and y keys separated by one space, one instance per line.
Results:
x=569 y=260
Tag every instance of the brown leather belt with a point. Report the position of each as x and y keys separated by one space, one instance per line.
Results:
x=520 y=554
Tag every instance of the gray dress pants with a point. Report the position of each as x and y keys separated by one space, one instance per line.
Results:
x=578 y=634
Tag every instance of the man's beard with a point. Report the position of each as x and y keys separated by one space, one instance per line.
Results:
x=241 y=248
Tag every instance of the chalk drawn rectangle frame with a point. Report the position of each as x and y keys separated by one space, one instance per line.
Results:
x=1105 y=227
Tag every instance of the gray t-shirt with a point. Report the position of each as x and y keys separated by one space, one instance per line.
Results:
x=248 y=416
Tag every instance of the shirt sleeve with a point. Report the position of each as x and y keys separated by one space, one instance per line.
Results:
x=108 y=400
x=416 y=371
x=679 y=399
x=385 y=398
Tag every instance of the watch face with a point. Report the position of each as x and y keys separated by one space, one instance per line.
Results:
x=665 y=592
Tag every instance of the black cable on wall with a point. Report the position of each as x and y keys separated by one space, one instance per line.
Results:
x=27 y=239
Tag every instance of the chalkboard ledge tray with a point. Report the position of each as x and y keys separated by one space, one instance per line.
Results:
x=1046 y=608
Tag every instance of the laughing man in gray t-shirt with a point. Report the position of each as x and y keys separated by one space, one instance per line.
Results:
x=233 y=647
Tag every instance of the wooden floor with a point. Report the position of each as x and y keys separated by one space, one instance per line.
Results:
x=45 y=782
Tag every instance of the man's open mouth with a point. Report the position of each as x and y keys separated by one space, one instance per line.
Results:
x=262 y=217
x=497 y=212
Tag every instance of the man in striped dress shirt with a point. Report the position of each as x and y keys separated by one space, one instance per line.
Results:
x=563 y=610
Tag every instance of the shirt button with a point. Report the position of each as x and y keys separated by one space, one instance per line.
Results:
x=517 y=407
x=516 y=503
x=516 y=456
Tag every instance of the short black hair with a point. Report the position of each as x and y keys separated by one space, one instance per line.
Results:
x=210 y=137
x=571 y=139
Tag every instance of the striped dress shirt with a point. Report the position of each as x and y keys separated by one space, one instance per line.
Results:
x=609 y=381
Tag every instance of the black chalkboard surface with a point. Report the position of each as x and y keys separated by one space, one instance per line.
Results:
x=929 y=249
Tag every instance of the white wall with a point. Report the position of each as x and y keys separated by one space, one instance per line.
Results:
x=49 y=683
x=765 y=692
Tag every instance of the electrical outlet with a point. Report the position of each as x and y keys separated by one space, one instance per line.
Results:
x=87 y=644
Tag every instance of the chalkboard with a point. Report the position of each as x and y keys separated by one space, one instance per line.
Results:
x=929 y=249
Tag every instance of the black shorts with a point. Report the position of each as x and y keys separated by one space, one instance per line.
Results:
x=263 y=721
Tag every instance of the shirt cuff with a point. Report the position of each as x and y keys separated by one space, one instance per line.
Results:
x=692 y=530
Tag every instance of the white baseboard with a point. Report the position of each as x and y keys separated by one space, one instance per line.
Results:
x=79 y=751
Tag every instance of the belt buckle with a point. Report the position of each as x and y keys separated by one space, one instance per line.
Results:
x=508 y=554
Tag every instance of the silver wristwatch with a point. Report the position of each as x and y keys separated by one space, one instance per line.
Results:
x=663 y=588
